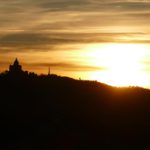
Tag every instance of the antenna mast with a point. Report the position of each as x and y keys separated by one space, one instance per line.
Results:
x=49 y=71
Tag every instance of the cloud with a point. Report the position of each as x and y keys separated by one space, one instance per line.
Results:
x=39 y=41
x=68 y=66
x=27 y=13
x=51 y=25
x=91 y=5
x=38 y=25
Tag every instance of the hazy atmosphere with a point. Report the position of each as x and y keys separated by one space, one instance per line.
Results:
x=104 y=40
x=75 y=74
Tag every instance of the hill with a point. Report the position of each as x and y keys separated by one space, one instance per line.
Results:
x=53 y=112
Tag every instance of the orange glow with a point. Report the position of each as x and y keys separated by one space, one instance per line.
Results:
x=123 y=64
x=113 y=64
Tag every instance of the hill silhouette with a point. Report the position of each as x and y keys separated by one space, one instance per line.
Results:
x=52 y=112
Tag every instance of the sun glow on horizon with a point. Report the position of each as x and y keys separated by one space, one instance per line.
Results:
x=123 y=64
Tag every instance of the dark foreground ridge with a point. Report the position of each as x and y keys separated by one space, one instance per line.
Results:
x=60 y=113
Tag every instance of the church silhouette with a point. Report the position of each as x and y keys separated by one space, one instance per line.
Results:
x=16 y=67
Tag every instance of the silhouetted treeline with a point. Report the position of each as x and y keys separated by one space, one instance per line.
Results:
x=60 y=113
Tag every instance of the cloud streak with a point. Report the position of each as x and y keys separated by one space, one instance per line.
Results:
x=34 y=22
x=51 y=25
x=51 y=41
x=68 y=66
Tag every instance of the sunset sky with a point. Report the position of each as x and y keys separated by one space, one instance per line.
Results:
x=104 y=40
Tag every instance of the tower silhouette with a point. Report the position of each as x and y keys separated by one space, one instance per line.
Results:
x=16 y=67
x=49 y=71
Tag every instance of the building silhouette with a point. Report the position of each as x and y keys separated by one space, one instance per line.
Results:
x=16 y=67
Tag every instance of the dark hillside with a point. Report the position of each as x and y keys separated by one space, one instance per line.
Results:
x=52 y=112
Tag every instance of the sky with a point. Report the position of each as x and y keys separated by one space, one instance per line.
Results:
x=84 y=39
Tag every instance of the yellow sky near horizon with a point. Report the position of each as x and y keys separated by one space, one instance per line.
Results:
x=113 y=64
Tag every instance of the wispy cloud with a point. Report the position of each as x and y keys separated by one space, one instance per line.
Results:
x=68 y=66
x=40 y=41
x=30 y=22
x=46 y=25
